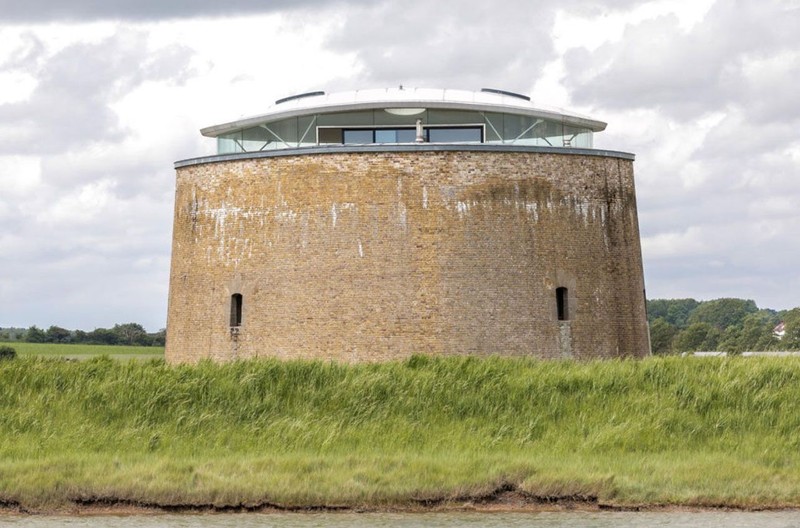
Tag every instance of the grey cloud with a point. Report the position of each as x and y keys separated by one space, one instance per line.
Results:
x=716 y=216
x=737 y=227
x=652 y=67
x=768 y=93
x=84 y=10
x=434 y=45
x=85 y=284
x=659 y=65
x=465 y=44
x=59 y=269
x=98 y=220
x=737 y=140
x=71 y=102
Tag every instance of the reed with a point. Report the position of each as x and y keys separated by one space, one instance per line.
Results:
x=658 y=431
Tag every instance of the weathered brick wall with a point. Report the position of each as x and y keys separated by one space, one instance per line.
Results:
x=379 y=255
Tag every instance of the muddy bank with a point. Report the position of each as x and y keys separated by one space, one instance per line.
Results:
x=507 y=498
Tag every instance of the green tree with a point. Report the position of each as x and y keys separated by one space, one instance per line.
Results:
x=674 y=311
x=756 y=333
x=697 y=337
x=723 y=313
x=131 y=334
x=35 y=335
x=730 y=340
x=102 y=336
x=159 y=338
x=661 y=335
x=56 y=334
x=791 y=321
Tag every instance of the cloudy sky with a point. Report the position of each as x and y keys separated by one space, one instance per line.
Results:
x=98 y=99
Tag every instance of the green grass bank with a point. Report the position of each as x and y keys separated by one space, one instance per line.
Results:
x=662 y=431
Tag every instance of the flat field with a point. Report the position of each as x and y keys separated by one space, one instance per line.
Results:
x=675 y=431
x=86 y=351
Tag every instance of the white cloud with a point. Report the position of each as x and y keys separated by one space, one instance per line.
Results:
x=577 y=30
x=16 y=86
x=19 y=176
x=689 y=243
x=81 y=206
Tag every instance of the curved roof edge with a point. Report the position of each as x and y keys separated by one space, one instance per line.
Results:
x=423 y=147
x=483 y=101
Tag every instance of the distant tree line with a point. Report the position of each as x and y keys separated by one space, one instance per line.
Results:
x=676 y=326
x=724 y=325
x=121 y=334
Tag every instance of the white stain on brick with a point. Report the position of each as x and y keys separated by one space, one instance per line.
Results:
x=287 y=215
x=402 y=215
x=462 y=208
x=582 y=207
x=304 y=231
x=532 y=208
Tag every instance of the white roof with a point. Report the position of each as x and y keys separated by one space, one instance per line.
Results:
x=401 y=97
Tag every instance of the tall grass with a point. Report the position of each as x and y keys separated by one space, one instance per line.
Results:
x=672 y=430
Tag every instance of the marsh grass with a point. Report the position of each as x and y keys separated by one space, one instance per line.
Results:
x=663 y=430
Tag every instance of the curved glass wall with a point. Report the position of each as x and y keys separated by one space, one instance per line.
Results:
x=387 y=126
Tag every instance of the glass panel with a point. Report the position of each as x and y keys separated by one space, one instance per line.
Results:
x=255 y=139
x=229 y=143
x=513 y=126
x=386 y=135
x=551 y=133
x=227 y=146
x=330 y=135
x=454 y=135
x=529 y=131
x=305 y=125
x=285 y=129
x=577 y=137
x=358 y=136
x=585 y=139
x=494 y=127
x=407 y=135
x=505 y=128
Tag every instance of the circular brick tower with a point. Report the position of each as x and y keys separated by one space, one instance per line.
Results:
x=377 y=224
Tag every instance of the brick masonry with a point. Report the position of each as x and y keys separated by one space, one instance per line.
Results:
x=371 y=256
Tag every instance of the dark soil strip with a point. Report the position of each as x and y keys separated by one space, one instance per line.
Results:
x=506 y=497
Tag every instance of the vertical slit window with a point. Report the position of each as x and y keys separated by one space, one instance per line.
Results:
x=562 y=306
x=236 y=309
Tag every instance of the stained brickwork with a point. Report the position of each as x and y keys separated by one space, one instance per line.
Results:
x=377 y=255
